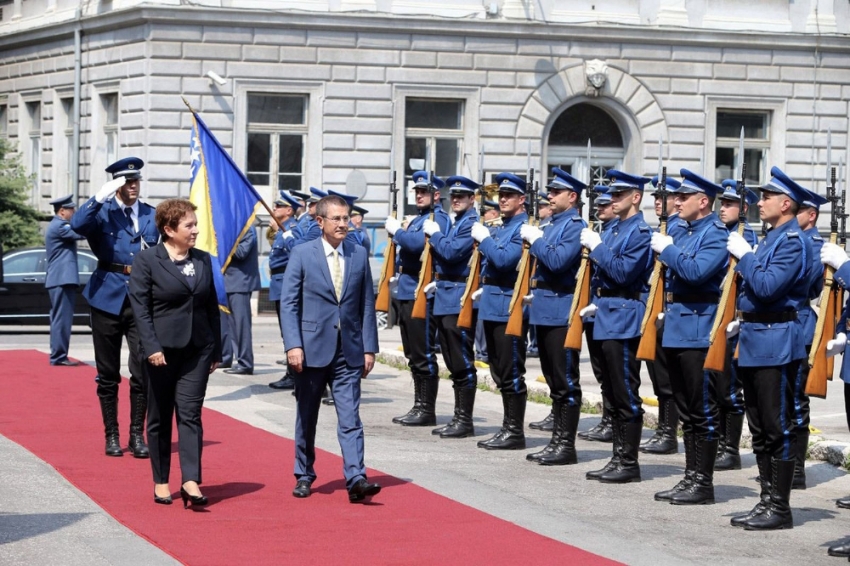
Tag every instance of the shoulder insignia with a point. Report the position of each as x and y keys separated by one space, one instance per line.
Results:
x=792 y=234
x=720 y=224
x=817 y=238
x=644 y=228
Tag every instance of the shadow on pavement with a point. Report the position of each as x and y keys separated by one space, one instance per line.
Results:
x=15 y=527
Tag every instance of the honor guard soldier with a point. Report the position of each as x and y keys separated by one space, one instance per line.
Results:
x=492 y=219
x=695 y=256
x=501 y=253
x=117 y=229
x=807 y=218
x=62 y=278
x=623 y=263
x=603 y=431
x=356 y=231
x=772 y=345
x=492 y=214
x=452 y=251
x=665 y=440
x=730 y=390
x=241 y=278
x=417 y=335
x=278 y=260
x=558 y=254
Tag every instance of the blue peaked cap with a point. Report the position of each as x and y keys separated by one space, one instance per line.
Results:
x=355 y=210
x=510 y=183
x=603 y=197
x=782 y=183
x=420 y=180
x=461 y=185
x=129 y=168
x=64 y=202
x=730 y=192
x=814 y=200
x=286 y=200
x=318 y=193
x=693 y=183
x=350 y=199
x=624 y=181
x=564 y=181
x=491 y=204
x=672 y=185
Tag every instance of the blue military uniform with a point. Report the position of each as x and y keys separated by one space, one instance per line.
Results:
x=418 y=335
x=772 y=345
x=116 y=233
x=357 y=235
x=480 y=342
x=62 y=280
x=307 y=229
x=241 y=279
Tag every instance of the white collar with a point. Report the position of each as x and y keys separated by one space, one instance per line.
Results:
x=329 y=249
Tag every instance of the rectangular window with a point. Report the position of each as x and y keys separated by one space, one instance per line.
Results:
x=4 y=121
x=277 y=136
x=34 y=133
x=756 y=127
x=67 y=136
x=109 y=104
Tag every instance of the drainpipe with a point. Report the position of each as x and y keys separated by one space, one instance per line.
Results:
x=78 y=77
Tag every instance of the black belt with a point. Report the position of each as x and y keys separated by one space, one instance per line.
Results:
x=451 y=278
x=115 y=267
x=768 y=317
x=498 y=282
x=535 y=284
x=278 y=270
x=618 y=294
x=408 y=272
x=681 y=298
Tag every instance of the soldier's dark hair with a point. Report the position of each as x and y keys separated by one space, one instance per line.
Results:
x=328 y=201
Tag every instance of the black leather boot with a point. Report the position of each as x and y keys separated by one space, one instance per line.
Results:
x=427 y=400
x=109 y=410
x=462 y=427
x=659 y=430
x=555 y=438
x=512 y=437
x=138 y=410
x=700 y=491
x=547 y=424
x=763 y=463
x=730 y=457
x=800 y=458
x=603 y=432
x=690 y=470
x=627 y=469
x=841 y=550
x=503 y=431
x=668 y=423
x=441 y=429
x=564 y=450
x=417 y=401
x=777 y=512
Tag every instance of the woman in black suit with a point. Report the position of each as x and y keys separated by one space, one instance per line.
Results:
x=176 y=311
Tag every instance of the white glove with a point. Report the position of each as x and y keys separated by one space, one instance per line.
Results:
x=477 y=294
x=589 y=311
x=836 y=345
x=287 y=235
x=733 y=328
x=659 y=242
x=430 y=227
x=738 y=246
x=430 y=288
x=530 y=233
x=392 y=225
x=526 y=300
x=832 y=255
x=659 y=321
x=480 y=232
x=109 y=189
x=589 y=239
x=393 y=281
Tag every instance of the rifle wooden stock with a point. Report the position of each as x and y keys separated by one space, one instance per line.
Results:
x=426 y=275
x=654 y=305
x=820 y=365
x=521 y=287
x=715 y=359
x=581 y=298
x=473 y=282
x=382 y=301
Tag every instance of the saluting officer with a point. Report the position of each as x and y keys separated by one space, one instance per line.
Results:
x=772 y=344
x=695 y=255
x=623 y=263
x=730 y=390
x=278 y=260
x=501 y=254
x=558 y=254
x=117 y=230
x=452 y=251
x=62 y=278
x=603 y=431
x=417 y=335
x=665 y=440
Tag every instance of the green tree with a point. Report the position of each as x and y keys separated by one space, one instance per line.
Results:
x=18 y=220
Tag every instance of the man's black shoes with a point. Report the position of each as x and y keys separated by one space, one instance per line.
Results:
x=361 y=490
x=285 y=382
x=238 y=370
x=302 y=489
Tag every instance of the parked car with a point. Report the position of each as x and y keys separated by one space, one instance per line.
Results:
x=23 y=298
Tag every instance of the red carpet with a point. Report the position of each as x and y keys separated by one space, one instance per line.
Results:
x=252 y=518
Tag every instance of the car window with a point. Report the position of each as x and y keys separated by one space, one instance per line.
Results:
x=86 y=263
x=23 y=263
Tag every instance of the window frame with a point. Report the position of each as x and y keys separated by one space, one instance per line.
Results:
x=275 y=131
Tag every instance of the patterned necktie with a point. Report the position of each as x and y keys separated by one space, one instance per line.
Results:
x=128 y=212
x=336 y=274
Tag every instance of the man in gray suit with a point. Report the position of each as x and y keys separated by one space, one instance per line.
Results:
x=241 y=278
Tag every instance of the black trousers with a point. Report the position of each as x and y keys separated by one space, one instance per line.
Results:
x=621 y=373
x=417 y=339
x=695 y=392
x=730 y=389
x=560 y=365
x=801 y=400
x=507 y=357
x=594 y=349
x=178 y=387
x=108 y=331
x=458 y=348
x=769 y=397
x=659 y=373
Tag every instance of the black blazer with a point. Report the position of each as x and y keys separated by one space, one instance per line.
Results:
x=169 y=312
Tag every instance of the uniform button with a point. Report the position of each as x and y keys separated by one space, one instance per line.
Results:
x=695 y=311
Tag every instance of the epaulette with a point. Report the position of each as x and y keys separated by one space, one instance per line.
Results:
x=644 y=228
x=817 y=237
x=792 y=234
x=576 y=218
x=720 y=224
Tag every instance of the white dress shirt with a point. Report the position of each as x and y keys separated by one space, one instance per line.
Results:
x=329 y=255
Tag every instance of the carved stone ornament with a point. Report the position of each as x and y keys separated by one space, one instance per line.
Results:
x=596 y=72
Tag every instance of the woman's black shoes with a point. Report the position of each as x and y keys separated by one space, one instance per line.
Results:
x=195 y=499
x=161 y=500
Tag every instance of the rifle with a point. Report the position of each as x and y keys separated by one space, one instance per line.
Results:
x=655 y=300
x=581 y=297
x=426 y=272
x=473 y=280
x=382 y=301
x=525 y=270
x=828 y=311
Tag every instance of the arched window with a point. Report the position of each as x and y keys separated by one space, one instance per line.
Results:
x=568 y=138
